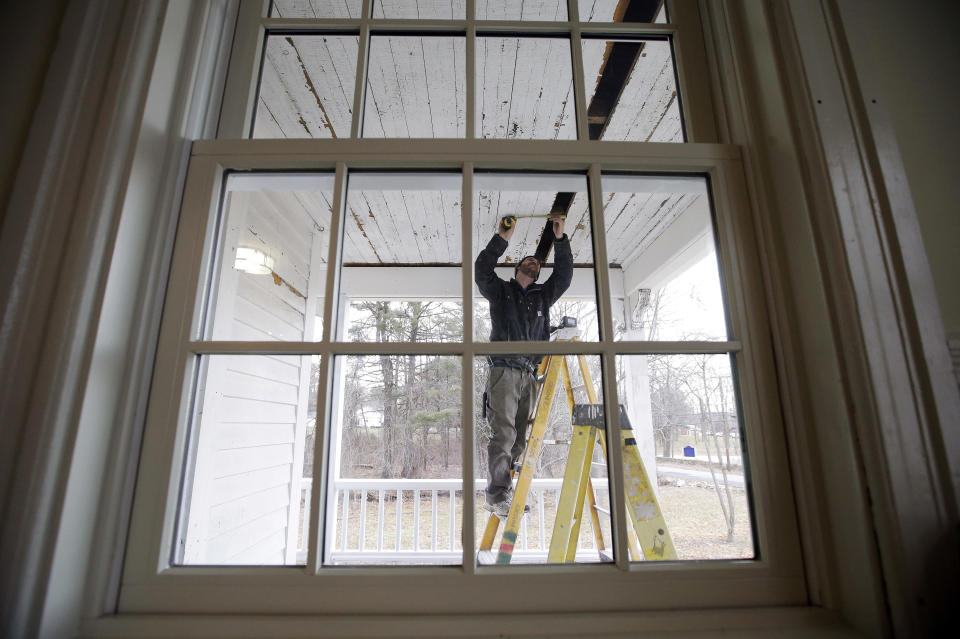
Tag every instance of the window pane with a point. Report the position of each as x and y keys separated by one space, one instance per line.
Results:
x=683 y=409
x=341 y=9
x=416 y=87
x=553 y=10
x=633 y=91
x=533 y=196
x=401 y=275
x=306 y=87
x=664 y=279
x=619 y=11
x=525 y=88
x=272 y=249
x=422 y=9
x=396 y=455
x=504 y=400
x=246 y=491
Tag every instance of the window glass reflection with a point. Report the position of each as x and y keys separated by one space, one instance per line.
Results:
x=400 y=274
x=306 y=87
x=632 y=91
x=664 y=276
x=273 y=242
x=246 y=491
x=525 y=88
x=684 y=418
x=533 y=197
x=395 y=491
x=416 y=87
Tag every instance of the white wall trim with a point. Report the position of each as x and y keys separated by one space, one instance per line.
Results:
x=953 y=343
x=61 y=221
x=904 y=406
x=58 y=236
x=182 y=104
x=753 y=623
x=753 y=68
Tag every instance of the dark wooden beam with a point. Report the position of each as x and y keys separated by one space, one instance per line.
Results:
x=619 y=61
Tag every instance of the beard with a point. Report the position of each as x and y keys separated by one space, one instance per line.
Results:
x=531 y=269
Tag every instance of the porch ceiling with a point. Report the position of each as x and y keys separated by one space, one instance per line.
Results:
x=417 y=90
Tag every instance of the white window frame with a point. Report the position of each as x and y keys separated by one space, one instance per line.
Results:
x=152 y=584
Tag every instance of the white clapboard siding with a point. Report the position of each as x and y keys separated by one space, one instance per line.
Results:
x=275 y=327
x=263 y=396
x=237 y=409
x=264 y=551
x=272 y=295
x=233 y=514
x=242 y=460
x=234 y=487
x=340 y=9
x=230 y=546
x=243 y=435
x=252 y=385
x=521 y=9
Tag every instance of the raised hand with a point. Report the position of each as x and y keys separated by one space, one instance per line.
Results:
x=558 y=226
x=507 y=226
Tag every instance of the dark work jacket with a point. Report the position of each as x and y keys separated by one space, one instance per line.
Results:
x=521 y=315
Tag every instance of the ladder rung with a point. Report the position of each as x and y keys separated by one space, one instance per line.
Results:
x=557 y=442
x=603 y=464
x=601 y=510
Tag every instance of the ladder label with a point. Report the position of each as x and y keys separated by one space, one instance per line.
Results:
x=588 y=415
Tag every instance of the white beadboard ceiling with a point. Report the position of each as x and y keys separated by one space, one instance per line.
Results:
x=416 y=89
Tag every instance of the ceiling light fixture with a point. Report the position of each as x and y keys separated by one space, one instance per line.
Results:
x=250 y=260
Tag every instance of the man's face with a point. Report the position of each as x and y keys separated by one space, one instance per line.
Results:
x=530 y=267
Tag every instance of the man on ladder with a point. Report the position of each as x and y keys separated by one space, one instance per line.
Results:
x=519 y=311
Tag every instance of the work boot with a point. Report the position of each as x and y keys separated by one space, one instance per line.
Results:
x=502 y=508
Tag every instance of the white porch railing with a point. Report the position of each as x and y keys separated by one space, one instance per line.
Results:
x=417 y=521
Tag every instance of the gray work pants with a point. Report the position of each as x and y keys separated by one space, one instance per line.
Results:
x=511 y=395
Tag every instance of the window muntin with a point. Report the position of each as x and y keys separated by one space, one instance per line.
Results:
x=306 y=86
x=415 y=87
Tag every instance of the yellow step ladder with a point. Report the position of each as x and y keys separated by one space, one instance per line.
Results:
x=648 y=537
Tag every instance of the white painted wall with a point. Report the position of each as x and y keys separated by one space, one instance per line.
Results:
x=244 y=499
x=908 y=62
